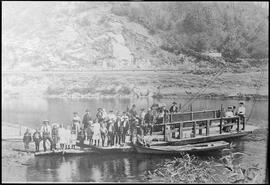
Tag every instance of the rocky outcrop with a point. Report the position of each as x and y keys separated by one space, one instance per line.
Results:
x=79 y=36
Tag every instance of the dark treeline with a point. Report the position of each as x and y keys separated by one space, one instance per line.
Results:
x=237 y=30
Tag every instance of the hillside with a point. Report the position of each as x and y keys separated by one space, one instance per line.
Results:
x=79 y=36
x=84 y=35
x=87 y=36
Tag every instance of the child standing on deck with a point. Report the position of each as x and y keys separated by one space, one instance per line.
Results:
x=96 y=134
x=27 y=139
x=73 y=138
x=104 y=133
x=62 y=139
x=68 y=137
x=55 y=136
x=89 y=132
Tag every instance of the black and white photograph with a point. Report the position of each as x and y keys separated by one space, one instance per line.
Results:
x=135 y=92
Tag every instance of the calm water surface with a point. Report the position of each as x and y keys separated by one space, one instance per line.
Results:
x=115 y=168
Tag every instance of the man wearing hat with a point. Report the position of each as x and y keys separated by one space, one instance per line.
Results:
x=46 y=132
x=118 y=129
x=100 y=114
x=27 y=138
x=228 y=113
x=133 y=112
x=241 y=111
x=111 y=131
x=149 y=120
x=55 y=136
x=142 y=121
x=174 y=108
x=111 y=116
x=86 y=119
x=125 y=125
x=37 y=138
x=133 y=129
x=76 y=125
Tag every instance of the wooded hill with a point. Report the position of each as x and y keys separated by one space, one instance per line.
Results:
x=234 y=29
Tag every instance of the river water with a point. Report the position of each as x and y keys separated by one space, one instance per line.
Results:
x=117 y=168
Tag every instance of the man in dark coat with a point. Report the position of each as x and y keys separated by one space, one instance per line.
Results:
x=81 y=137
x=174 y=108
x=133 y=129
x=111 y=131
x=27 y=139
x=117 y=133
x=37 y=138
x=46 y=132
x=125 y=126
x=149 y=120
x=86 y=118
x=133 y=112
x=55 y=136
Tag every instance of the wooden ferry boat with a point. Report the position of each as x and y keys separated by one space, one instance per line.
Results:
x=190 y=132
x=187 y=129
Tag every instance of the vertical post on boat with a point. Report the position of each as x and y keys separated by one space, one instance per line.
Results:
x=207 y=127
x=194 y=123
x=194 y=129
x=191 y=112
x=20 y=129
x=164 y=129
x=220 y=126
x=237 y=121
x=244 y=122
x=180 y=107
x=180 y=130
x=200 y=130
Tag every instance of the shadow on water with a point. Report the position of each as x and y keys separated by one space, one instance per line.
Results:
x=98 y=168
x=93 y=168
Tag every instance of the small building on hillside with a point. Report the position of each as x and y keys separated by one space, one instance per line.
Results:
x=212 y=53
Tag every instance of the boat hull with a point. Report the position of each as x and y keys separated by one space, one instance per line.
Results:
x=65 y=152
x=108 y=150
x=198 y=148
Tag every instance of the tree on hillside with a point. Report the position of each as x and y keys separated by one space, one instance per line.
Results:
x=235 y=29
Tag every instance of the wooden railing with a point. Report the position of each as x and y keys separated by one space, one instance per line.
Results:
x=185 y=116
x=200 y=124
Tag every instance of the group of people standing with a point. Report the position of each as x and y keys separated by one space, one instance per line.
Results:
x=231 y=111
x=103 y=129
x=107 y=129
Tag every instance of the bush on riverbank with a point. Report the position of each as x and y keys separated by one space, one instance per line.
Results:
x=190 y=169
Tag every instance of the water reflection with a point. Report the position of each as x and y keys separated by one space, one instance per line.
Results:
x=121 y=167
x=107 y=168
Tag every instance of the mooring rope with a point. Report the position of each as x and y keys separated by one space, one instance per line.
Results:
x=192 y=99
x=259 y=83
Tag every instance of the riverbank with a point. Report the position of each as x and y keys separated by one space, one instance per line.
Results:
x=12 y=136
x=160 y=84
x=14 y=163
